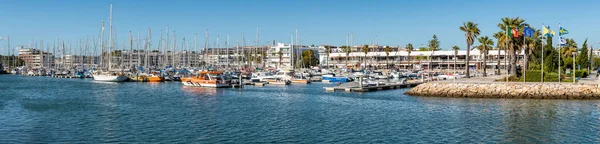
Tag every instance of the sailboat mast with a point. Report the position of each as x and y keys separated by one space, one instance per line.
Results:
x=205 y=50
x=167 y=47
x=146 y=63
x=244 y=50
x=196 y=44
x=174 y=45
x=227 y=50
x=110 y=40
x=101 y=46
x=158 y=54
x=138 y=53
x=130 y=50
x=218 y=51
x=292 y=51
x=237 y=51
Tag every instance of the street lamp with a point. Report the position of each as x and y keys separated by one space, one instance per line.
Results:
x=420 y=67
x=574 y=53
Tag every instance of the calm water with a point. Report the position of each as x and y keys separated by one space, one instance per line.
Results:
x=41 y=109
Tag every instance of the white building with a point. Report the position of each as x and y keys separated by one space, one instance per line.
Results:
x=280 y=55
x=35 y=58
x=425 y=59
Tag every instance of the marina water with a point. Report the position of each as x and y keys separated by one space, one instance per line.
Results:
x=43 y=109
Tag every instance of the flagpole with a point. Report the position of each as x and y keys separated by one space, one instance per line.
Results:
x=505 y=50
x=524 y=51
x=543 y=35
x=559 y=55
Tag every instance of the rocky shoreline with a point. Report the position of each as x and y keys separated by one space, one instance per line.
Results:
x=508 y=90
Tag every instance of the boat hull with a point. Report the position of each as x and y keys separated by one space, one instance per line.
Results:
x=335 y=79
x=107 y=78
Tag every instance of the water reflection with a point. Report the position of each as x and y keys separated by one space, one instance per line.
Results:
x=200 y=91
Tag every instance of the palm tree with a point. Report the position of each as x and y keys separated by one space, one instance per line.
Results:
x=387 y=54
x=501 y=38
x=366 y=51
x=347 y=50
x=280 y=54
x=486 y=44
x=455 y=48
x=409 y=49
x=514 y=43
x=532 y=44
x=566 y=53
x=471 y=32
x=327 y=51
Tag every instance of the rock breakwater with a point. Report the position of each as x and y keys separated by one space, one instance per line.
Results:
x=508 y=90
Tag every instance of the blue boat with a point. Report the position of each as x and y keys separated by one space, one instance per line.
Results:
x=333 y=78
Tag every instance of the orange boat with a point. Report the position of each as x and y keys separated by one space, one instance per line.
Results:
x=207 y=79
x=155 y=77
x=305 y=81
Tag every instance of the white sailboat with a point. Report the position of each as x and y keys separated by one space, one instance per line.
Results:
x=109 y=76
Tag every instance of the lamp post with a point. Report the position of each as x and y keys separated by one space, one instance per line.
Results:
x=574 y=53
x=430 y=65
x=421 y=67
x=591 y=57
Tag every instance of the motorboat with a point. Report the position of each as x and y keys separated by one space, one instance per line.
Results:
x=207 y=79
x=262 y=76
x=333 y=78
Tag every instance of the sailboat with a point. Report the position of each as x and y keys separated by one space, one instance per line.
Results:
x=109 y=76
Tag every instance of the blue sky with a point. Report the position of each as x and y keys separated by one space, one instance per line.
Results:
x=392 y=22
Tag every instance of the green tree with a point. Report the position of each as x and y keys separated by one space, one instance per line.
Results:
x=486 y=44
x=582 y=58
x=409 y=49
x=280 y=54
x=387 y=50
x=566 y=53
x=308 y=58
x=327 y=51
x=423 y=49
x=456 y=49
x=550 y=56
x=347 y=50
x=366 y=51
x=471 y=32
x=434 y=44
x=515 y=43
x=532 y=45
x=501 y=45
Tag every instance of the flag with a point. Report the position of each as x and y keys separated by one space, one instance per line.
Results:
x=562 y=31
x=547 y=32
x=528 y=32
x=512 y=32
x=563 y=41
x=515 y=32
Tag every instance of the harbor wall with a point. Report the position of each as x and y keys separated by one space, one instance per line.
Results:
x=508 y=90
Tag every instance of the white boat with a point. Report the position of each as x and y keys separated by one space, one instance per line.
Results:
x=262 y=76
x=109 y=77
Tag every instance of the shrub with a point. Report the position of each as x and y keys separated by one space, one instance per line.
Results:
x=581 y=73
x=535 y=76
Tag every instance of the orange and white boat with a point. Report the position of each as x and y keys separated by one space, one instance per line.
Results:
x=207 y=79
x=304 y=81
x=155 y=77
